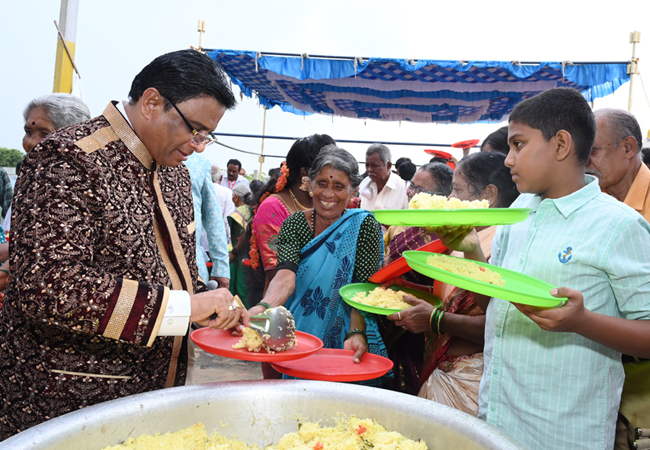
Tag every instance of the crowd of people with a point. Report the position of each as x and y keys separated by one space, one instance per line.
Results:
x=119 y=222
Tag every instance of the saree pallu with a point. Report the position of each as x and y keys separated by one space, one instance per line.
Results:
x=239 y=222
x=401 y=239
x=326 y=265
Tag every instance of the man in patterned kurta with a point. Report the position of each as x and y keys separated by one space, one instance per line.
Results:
x=103 y=268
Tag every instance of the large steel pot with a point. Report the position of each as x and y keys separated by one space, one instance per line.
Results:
x=259 y=412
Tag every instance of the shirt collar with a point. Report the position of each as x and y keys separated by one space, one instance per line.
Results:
x=569 y=203
x=638 y=192
x=117 y=117
x=393 y=179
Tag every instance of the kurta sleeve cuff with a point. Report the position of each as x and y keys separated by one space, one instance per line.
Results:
x=176 y=319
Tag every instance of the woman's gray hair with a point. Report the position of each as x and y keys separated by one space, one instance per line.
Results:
x=338 y=159
x=244 y=193
x=382 y=150
x=62 y=109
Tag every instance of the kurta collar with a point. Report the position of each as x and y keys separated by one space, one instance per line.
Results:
x=569 y=203
x=638 y=192
x=127 y=135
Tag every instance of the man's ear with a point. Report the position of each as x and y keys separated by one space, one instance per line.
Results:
x=389 y=165
x=563 y=145
x=150 y=102
x=631 y=147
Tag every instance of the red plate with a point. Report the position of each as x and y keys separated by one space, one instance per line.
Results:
x=438 y=153
x=400 y=266
x=330 y=364
x=220 y=342
x=465 y=144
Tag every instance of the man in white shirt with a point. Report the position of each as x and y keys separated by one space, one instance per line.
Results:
x=233 y=178
x=225 y=198
x=382 y=189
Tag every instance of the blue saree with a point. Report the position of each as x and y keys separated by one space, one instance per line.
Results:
x=327 y=264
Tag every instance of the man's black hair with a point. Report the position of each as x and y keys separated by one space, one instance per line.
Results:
x=401 y=160
x=183 y=75
x=234 y=162
x=438 y=159
x=406 y=170
x=560 y=109
x=498 y=140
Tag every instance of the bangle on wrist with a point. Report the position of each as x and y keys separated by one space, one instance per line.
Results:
x=265 y=305
x=5 y=271
x=356 y=331
x=440 y=316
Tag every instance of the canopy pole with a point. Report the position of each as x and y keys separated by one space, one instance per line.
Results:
x=633 y=67
x=262 y=150
x=201 y=30
x=65 y=47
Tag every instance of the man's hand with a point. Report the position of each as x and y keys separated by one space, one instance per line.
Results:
x=358 y=344
x=223 y=282
x=415 y=319
x=218 y=302
x=462 y=239
x=567 y=318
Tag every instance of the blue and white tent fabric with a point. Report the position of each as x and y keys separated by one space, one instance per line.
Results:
x=399 y=89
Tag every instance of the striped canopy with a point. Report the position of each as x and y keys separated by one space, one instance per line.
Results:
x=413 y=90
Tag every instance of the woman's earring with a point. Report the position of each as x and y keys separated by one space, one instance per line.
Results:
x=311 y=194
x=303 y=186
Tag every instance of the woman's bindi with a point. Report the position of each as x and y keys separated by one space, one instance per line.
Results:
x=33 y=123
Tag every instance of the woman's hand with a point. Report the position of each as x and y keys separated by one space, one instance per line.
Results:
x=416 y=318
x=357 y=343
x=4 y=276
x=397 y=281
x=462 y=239
x=567 y=318
x=256 y=310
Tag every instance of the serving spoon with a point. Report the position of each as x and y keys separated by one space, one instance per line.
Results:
x=279 y=327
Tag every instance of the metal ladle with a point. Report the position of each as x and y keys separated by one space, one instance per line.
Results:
x=278 y=330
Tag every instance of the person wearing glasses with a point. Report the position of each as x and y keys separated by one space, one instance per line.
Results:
x=453 y=356
x=406 y=350
x=104 y=282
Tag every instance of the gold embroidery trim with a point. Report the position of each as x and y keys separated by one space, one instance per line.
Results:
x=191 y=228
x=161 y=315
x=82 y=374
x=173 y=365
x=177 y=248
x=173 y=275
x=99 y=139
x=127 y=135
x=122 y=309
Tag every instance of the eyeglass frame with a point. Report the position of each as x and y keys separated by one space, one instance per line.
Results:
x=419 y=190
x=207 y=140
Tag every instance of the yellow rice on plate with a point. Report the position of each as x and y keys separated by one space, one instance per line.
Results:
x=426 y=201
x=250 y=340
x=466 y=268
x=382 y=298
x=348 y=434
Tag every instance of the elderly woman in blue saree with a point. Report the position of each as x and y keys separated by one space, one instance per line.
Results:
x=324 y=248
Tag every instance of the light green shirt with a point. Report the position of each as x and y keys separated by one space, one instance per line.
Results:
x=560 y=390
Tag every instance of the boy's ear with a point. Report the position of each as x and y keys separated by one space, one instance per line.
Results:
x=564 y=145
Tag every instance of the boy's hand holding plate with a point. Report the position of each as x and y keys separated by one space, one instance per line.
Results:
x=566 y=318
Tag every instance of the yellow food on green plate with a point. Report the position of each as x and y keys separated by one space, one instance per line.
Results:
x=382 y=298
x=466 y=268
x=427 y=201
x=348 y=434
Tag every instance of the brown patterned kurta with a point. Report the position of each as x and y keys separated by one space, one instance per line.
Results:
x=100 y=234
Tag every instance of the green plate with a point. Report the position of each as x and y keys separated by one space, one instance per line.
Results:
x=519 y=288
x=349 y=291
x=440 y=217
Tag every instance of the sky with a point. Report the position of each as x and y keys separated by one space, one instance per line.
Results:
x=117 y=38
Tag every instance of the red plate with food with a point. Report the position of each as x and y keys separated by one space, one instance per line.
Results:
x=400 y=266
x=331 y=364
x=220 y=342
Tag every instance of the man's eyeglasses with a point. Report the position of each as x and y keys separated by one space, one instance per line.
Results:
x=198 y=138
x=410 y=187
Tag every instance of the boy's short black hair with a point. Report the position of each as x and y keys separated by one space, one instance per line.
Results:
x=560 y=109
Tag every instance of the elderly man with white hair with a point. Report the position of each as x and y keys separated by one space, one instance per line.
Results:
x=382 y=189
